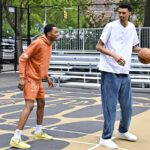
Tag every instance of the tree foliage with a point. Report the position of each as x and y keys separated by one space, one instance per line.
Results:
x=141 y=9
x=80 y=16
x=147 y=14
x=16 y=23
x=52 y=11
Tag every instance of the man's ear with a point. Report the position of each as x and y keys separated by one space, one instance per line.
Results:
x=48 y=33
x=130 y=13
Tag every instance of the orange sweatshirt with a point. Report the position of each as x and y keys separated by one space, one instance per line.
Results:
x=34 y=61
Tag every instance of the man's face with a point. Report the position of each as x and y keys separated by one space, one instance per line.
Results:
x=53 y=34
x=124 y=14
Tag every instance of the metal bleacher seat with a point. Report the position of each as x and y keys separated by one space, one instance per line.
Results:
x=82 y=69
x=75 y=61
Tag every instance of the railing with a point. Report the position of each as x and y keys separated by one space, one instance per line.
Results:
x=85 y=40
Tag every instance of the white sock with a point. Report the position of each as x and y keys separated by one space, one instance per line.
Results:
x=38 y=128
x=17 y=134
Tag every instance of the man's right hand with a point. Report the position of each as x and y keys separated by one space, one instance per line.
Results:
x=21 y=83
x=119 y=60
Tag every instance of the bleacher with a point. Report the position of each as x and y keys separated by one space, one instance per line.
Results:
x=81 y=70
x=8 y=50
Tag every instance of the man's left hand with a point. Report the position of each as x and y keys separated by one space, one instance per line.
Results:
x=50 y=82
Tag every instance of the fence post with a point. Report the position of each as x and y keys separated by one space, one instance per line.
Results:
x=16 y=49
x=140 y=36
x=83 y=42
x=29 y=27
x=1 y=25
x=78 y=15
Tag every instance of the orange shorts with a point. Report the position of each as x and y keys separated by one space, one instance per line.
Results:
x=33 y=89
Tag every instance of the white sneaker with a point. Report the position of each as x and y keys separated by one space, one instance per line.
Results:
x=108 y=143
x=127 y=136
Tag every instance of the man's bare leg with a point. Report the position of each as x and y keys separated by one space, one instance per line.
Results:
x=40 y=111
x=29 y=105
x=16 y=139
x=39 y=134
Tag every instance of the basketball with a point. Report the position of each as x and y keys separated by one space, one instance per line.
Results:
x=144 y=55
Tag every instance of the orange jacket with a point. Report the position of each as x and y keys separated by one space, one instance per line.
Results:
x=34 y=61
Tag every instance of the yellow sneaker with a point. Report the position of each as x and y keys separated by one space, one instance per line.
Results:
x=42 y=135
x=18 y=143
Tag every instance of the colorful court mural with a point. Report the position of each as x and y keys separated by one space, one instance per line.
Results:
x=74 y=118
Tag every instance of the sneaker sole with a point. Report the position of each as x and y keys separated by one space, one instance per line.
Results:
x=123 y=138
x=36 y=138
x=108 y=147
x=17 y=146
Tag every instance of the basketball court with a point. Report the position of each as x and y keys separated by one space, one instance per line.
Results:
x=73 y=116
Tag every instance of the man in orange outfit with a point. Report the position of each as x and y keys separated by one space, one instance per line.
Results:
x=33 y=67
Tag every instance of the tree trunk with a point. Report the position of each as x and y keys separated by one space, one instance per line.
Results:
x=147 y=16
x=19 y=33
x=19 y=45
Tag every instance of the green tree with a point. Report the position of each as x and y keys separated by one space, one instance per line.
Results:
x=11 y=19
x=55 y=15
x=147 y=16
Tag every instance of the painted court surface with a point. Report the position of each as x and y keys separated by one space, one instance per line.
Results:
x=73 y=116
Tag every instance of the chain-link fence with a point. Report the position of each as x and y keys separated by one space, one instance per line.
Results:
x=13 y=35
x=85 y=40
x=80 y=27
